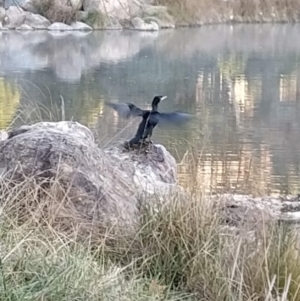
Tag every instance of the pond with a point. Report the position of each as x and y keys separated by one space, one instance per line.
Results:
x=242 y=82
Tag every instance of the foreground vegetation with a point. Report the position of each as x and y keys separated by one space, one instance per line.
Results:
x=181 y=252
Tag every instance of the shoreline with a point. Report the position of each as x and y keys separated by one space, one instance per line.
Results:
x=149 y=18
x=177 y=26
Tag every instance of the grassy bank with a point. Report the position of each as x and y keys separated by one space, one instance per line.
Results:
x=220 y=11
x=183 y=252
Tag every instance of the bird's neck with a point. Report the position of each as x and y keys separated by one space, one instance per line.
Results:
x=154 y=108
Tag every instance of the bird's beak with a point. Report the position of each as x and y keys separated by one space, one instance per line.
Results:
x=164 y=97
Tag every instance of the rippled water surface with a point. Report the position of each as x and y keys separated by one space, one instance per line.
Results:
x=242 y=82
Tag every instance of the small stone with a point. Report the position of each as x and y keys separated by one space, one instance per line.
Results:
x=81 y=26
x=3 y=135
x=59 y=26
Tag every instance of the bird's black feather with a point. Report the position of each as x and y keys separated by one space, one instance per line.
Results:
x=151 y=118
x=174 y=118
x=126 y=110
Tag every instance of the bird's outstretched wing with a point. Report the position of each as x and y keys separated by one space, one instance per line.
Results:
x=173 y=118
x=126 y=110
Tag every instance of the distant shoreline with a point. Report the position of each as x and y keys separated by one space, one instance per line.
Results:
x=150 y=18
x=177 y=26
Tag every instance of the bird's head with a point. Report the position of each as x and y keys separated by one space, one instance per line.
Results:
x=157 y=100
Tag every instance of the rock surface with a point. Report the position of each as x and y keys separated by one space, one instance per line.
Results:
x=3 y=135
x=104 y=186
x=14 y=17
x=2 y=14
x=244 y=209
x=157 y=14
x=36 y=21
x=24 y=27
x=30 y=7
x=140 y=24
x=113 y=8
x=108 y=14
x=59 y=26
x=81 y=26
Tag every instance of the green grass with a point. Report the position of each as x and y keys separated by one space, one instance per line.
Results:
x=182 y=251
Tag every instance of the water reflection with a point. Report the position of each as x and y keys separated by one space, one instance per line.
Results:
x=243 y=82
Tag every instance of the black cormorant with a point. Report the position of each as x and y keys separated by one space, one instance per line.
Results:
x=150 y=118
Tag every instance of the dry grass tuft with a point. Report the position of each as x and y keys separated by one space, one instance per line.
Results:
x=47 y=201
x=182 y=251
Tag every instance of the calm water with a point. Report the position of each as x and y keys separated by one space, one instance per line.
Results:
x=243 y=83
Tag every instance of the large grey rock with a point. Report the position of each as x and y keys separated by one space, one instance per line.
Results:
x=152 y=170
x=2 y=16
x=103 y=187
x=54 y=10
x=81 y=26
x=121 y=9
x=159 y=15
x=36 y=21
x=24 y=27
x=115 y=8
x=240 y=209
x=76 y=3
x=29 y=6
x=98 y=20
x=139 y=24
x=60 y=26
x=15 y=17
x=8 y=3
x=82 y=16
x=157 y=10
